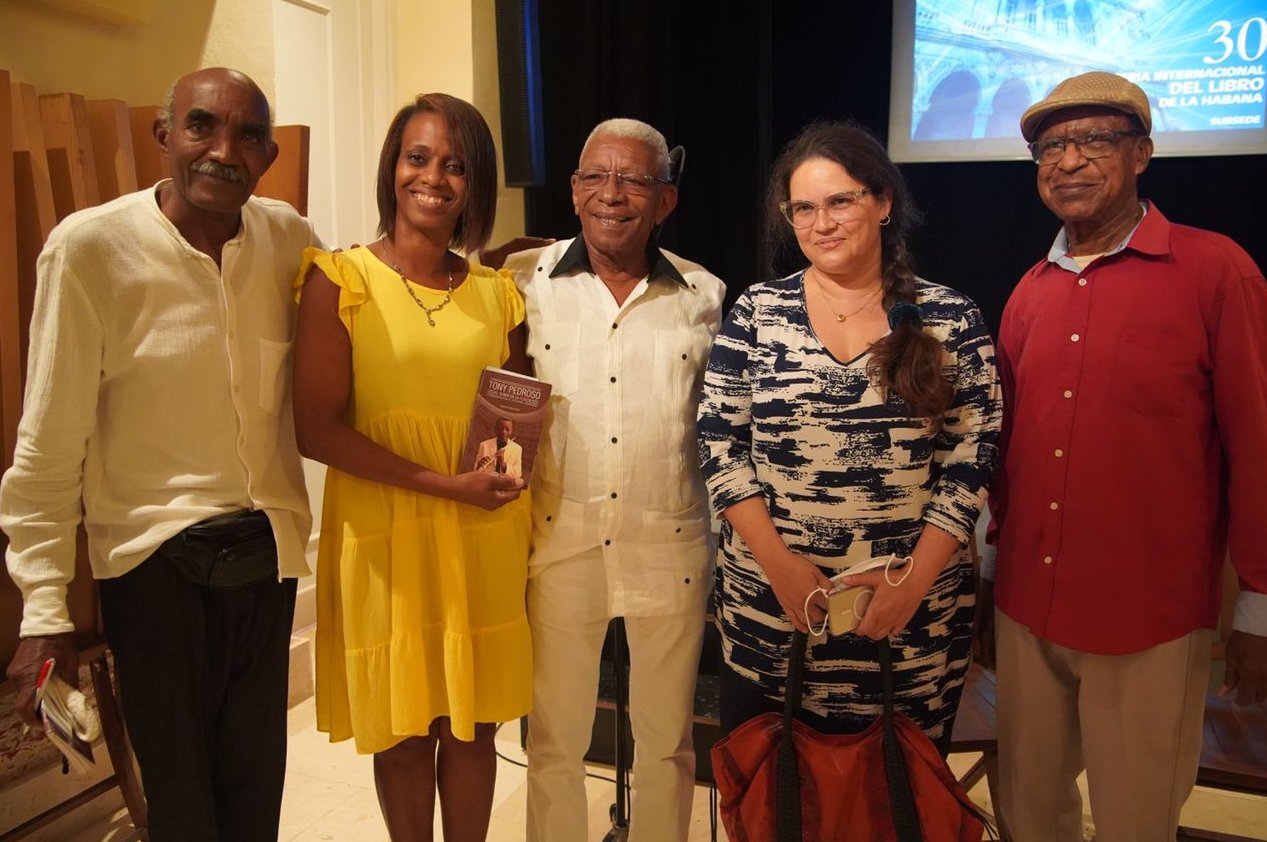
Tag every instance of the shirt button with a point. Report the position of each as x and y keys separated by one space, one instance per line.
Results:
x=236 y=388
x=1068 y=393
x=607 y=543
x=614 y=325
x=613 y=439
x=1074 y=338
x=547 y=346
x=613 y=379
x=1082 y=282
x=613 y=495
x=1046 y=559
x=1054 y=505
x=549 y=518
x=1059 y=453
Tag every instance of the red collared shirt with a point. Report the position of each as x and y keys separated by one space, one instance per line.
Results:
x=1134 y=443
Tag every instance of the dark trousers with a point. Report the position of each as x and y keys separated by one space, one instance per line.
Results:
x=203 y=679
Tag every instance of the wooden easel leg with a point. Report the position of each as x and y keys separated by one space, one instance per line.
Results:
x=117 y=743
x=990 y=760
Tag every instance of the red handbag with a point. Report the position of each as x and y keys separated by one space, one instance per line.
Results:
x=888 y=783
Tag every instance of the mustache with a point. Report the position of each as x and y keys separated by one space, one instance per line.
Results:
x=215 y=170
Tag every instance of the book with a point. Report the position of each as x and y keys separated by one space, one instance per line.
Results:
x=69 y=722
x=506 y=424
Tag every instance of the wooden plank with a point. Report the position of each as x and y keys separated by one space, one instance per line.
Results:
x=10 y=325
x=150 y=166
x=36 y=213
x=287 y=178
x=28 y=136
x=70 y=159
x=1187 y=834
x=111 y=133
x=10 y=344
x=1234 y=746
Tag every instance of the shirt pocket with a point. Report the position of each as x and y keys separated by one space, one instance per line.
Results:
x=274 y=383
x=555 y=348
x=1152 y=373
x=680 y=355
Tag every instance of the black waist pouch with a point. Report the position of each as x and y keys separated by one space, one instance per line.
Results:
x=225 y=552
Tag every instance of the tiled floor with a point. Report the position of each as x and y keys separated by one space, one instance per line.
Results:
x=330 y=796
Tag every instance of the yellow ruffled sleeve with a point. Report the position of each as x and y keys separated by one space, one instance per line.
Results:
x=347 y=270
x=512 y=301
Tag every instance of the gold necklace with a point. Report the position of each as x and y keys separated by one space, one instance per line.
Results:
x=448 y=295
x=840 y=317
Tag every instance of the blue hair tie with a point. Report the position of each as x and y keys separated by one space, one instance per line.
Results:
x=905 y=311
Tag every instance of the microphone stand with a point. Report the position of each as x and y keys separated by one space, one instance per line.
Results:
x=619 y=811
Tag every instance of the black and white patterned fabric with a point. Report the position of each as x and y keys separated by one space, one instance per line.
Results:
x=846 y=475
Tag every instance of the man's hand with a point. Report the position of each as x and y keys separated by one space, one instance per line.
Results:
x=28 y=660
x=983 y=625
x=495 y=258
x=1246 y=668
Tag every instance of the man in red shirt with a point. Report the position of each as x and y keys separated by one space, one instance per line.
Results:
x=1134 y=368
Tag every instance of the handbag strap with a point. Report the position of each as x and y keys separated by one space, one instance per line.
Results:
x=787 y=794
x=901 y=799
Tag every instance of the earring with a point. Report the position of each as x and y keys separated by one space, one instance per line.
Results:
x=887 y=219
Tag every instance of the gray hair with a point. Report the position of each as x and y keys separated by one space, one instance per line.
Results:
x=167 y=113
x=634 y=130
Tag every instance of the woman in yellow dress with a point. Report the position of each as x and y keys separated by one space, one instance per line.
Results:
x=422 y=641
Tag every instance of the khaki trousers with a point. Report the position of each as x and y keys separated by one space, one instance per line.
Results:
x=567 y=611
x=1134 y=722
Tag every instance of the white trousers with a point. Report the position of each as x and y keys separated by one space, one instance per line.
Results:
x=1132 y=721
x=567 y=611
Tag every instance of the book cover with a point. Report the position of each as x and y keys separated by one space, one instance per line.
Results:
x=69 y=722
x=506 y=424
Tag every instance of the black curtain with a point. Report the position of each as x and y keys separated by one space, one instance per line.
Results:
x=733 y=82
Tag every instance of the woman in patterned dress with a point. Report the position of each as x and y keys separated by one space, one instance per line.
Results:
x=850 y=412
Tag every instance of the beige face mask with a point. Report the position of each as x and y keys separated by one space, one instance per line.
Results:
x=846 y=605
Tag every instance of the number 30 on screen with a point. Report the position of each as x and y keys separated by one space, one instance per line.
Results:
x=1243 y=35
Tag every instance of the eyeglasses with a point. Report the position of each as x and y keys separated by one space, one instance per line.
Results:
x=802 y=214
x=1091 y=146
x=634 y=183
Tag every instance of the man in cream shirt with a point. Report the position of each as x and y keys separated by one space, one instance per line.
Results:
x=620 y=519
x=158 y=410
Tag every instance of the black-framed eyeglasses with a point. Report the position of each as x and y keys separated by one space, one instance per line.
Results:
x=630 y=182
x=802 y=214
x=1091 y=145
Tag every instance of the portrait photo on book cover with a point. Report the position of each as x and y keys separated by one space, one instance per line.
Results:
x=501 y=454
x=506 y=424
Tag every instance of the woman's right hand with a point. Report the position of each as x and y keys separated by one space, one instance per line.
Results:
x=488 y=491
x=793 y=578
